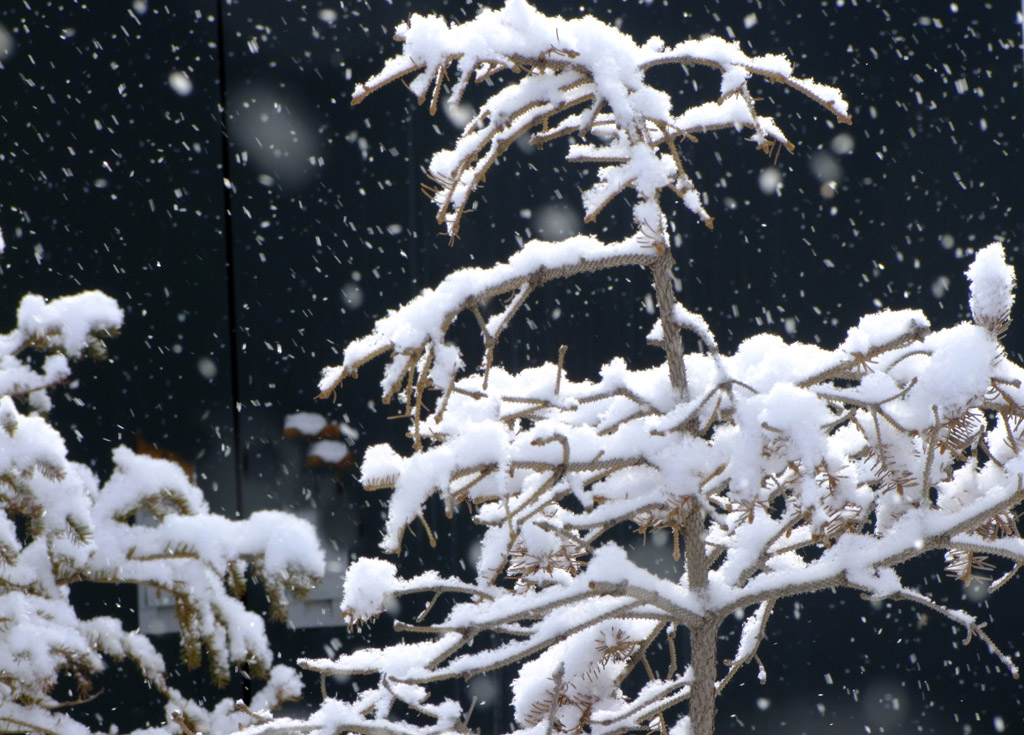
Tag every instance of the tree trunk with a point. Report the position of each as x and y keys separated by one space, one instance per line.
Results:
x=704 y=664
x=704 y=636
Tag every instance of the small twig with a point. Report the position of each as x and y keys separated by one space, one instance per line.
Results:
x=34 y=728
x=673 y=663
x=647 y=667
x=430 y=534
x=180 y=721
x=556 y=693
x=429 y=606
x=248 y=712
x=971 y=626
x=561 y=363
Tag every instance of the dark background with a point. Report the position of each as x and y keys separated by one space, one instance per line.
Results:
x=245 y=261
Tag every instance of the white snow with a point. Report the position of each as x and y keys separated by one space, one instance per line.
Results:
x=424 y=319
x=328 y=451
x=305 y=423
x=597 y=66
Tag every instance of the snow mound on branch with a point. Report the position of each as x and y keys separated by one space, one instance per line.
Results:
x=70 y=322
x=370 y=584
x=992 y=283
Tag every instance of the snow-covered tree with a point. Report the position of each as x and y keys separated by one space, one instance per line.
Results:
x=148 y=524
x=780 y=470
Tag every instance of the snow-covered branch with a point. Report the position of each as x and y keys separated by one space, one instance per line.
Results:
x=414 y=335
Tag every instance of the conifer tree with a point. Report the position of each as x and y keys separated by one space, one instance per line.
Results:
x=147 y=524
x=780 y=470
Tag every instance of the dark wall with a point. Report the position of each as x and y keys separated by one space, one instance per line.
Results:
x=247 y=261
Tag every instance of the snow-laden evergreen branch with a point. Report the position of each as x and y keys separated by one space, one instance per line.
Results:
x=59 y=526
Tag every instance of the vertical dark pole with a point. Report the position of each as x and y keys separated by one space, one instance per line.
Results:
x=237 y=445
x=229 y=253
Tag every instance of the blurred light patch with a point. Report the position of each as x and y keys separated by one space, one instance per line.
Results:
x=883 y=704
x=180 y=83
x=770 y=181
x=277 y=133
x=458 y=114
x=556 y=221
x=826 y=167
x=842 y=144
x=977 y=590
x=352 y=295
x=484 y=689
x=6 y=43
x=207 y=367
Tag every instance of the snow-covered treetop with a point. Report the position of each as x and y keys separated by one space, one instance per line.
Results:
x=576 y=77
x=584 y=78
